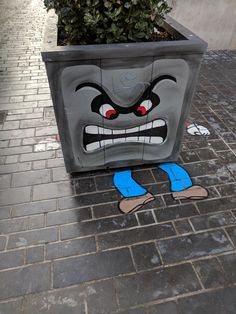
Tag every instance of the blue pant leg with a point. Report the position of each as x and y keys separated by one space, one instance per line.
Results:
x=126 y=185
x=179 y=178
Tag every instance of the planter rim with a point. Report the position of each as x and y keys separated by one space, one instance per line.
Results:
x=188 y=43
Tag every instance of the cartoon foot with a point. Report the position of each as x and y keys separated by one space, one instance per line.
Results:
x=131 y=204
x=195 y=192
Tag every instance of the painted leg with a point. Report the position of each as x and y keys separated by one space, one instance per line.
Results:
x=181 y=184
x=134 y=195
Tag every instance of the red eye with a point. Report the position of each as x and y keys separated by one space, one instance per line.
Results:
x=143 y=109
x=108 y=112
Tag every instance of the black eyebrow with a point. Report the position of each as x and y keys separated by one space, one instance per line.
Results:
x=156 y=81
x=161 y=78
x=98 y=87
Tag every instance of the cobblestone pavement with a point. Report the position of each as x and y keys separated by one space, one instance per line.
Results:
x=65 y=248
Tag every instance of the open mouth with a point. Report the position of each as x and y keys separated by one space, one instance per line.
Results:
x=96 y=137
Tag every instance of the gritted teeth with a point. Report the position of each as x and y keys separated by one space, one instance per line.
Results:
x=93 y=129
x=135 y=139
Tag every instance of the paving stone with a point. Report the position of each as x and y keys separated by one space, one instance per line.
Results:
x=105 y=210
x=232 y=168
x=67 y=216
x=127 y=237
x=220 y=204
x=146 y=256
x=189 y=156
x=55 y=162
x=164 y=308
x=11 y=168
x=11 y=259
x=193 y=246
x=33 y=208
x=70 y=248
x=15 y=150
x=13 y=306
x=227 y=156
x=60 y=174
x=85 y=185
x=146 y=218
x=39 y=164
x=2 y=243
x=50 y=130
x=12 y=159
x=88 y=199
x=13 y=134
x=227 y=189
x=228 y=263
x=218 y=145
x=206 y=154
x=31 y=178
x=100 y=298
x=5 y=212
x=210 y=272
x=143 y=176
x=91 y=267
x=213 y=220
x=133 y=311
x=14 y=196
x=176 y=212
x=37 y=156
x=33 y=237
x=214 y=302
x=97 y=226
x=36 y=221
x=154 y=285
x=159 y=188
x=13 y=225
x=34 y=254
x=169 y=201
x=183 y=226
x=36 y=278
x=232 y=233
x=205 y=168
x=51 y=190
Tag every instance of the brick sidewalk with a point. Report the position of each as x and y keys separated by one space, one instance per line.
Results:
x=64 y=247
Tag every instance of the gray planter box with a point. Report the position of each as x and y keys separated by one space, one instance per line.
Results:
x=122 y=104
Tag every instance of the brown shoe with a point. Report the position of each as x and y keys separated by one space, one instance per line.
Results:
x=195 y=192
x=131 y=204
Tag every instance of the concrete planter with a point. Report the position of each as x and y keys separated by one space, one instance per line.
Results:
x=122 y=104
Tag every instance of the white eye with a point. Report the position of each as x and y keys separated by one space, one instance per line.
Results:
x=144 y=107
x=147 y=104
x=108 y=111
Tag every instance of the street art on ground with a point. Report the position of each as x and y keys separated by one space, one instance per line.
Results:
x=181 y=186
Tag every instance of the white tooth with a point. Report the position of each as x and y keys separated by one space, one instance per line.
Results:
x=158 y=123
x=119 y=140
x=105 y=142
x=132 y=130
x=156 y=140
x=91 y=129
x=149 y=125
x=92 y=146
x=108 y=142
x=118 y=131
x=107 y=131
x=142 y=127
x=100 y=130
x=132 y=139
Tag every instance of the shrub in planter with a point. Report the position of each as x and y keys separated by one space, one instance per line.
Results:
x=121 y=96
x=109 y=21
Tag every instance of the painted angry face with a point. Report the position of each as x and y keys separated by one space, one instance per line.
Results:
x=116 y=113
